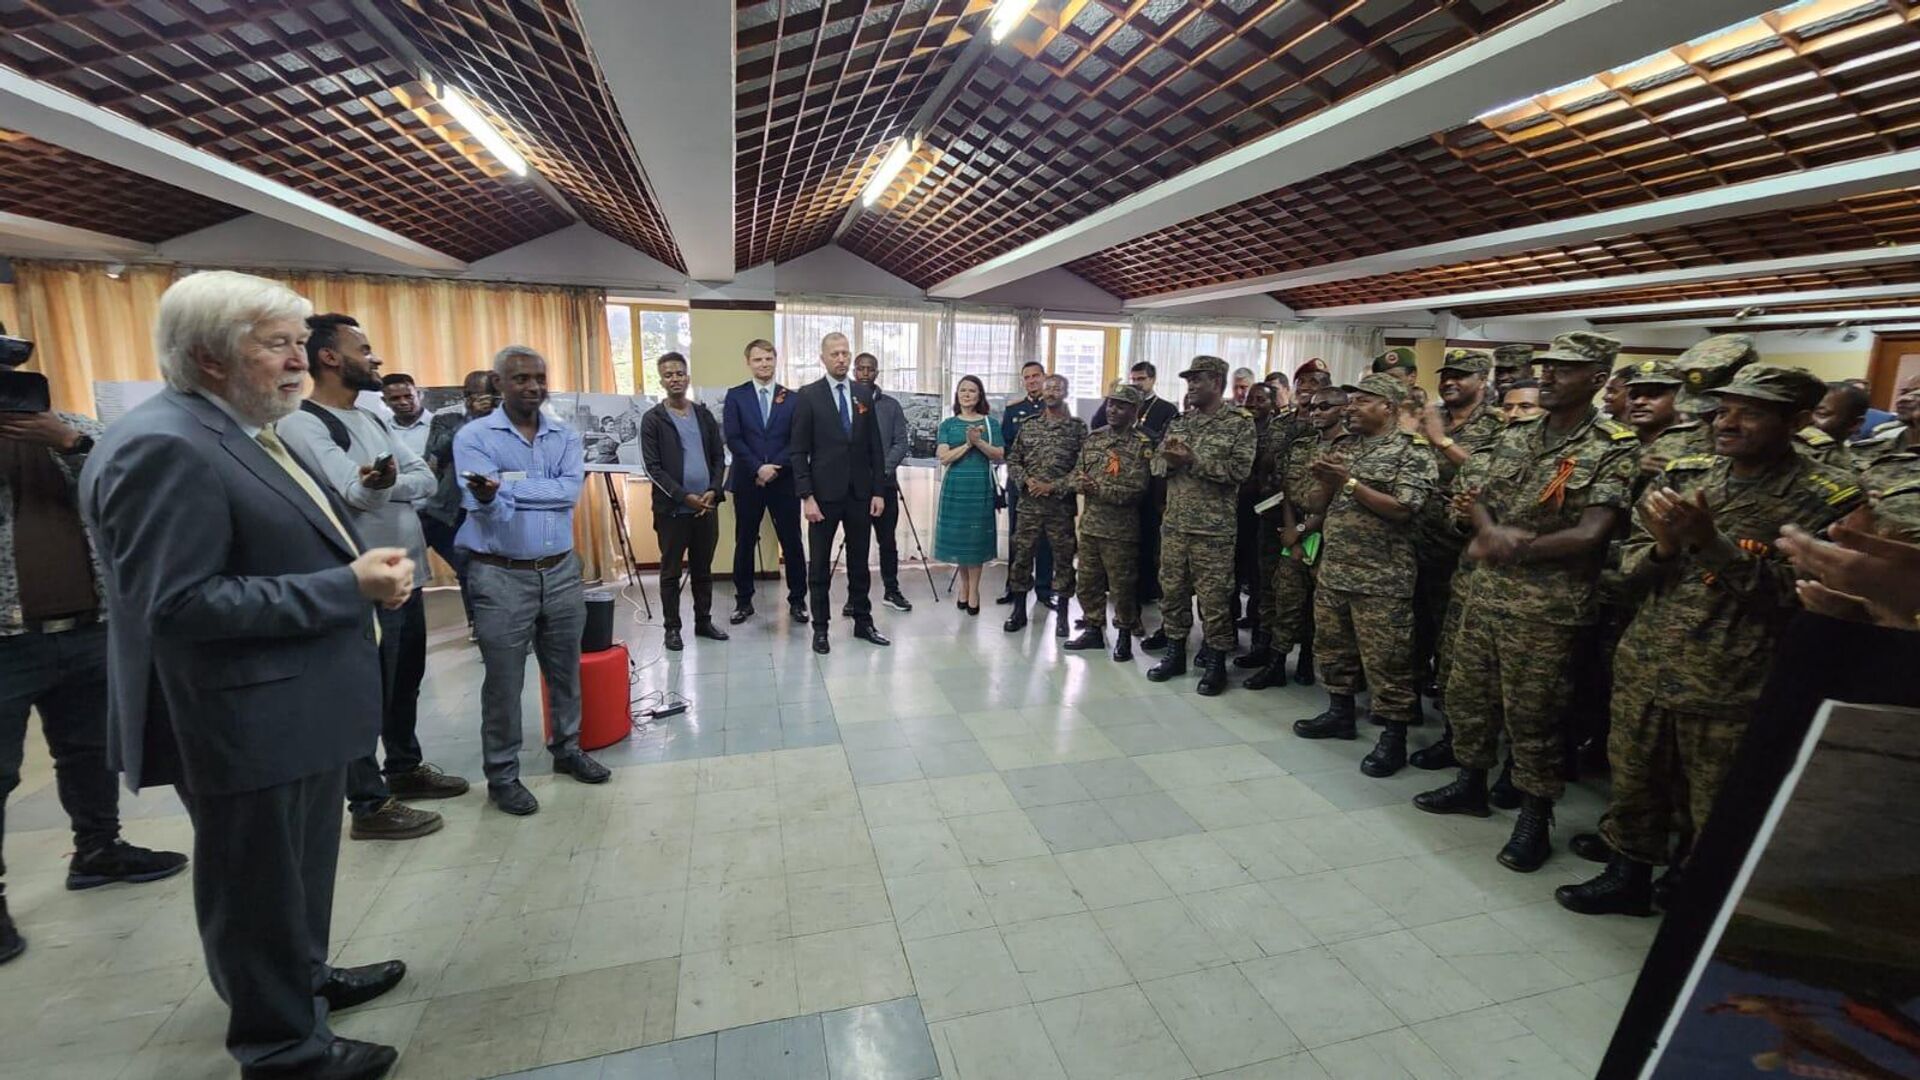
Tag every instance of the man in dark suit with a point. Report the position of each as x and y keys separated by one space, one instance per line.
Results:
x=244 y=665
x=838 y=470
x=758 y=418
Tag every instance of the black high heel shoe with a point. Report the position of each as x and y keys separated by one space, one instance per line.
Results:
x=973 y=609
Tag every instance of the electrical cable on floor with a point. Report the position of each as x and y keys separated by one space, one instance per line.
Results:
x=654 y=704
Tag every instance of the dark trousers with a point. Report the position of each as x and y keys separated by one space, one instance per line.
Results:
x=687 y=540
x=850 y=517
x=64 y=675
x=1042 y=553
x=440 y=536
x=263 y=869
x=1246 y=558
x=884 y=528
x=1147 y=584
x=403 y=663
x=777 y=500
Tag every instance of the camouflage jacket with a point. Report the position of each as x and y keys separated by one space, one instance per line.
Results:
x=1047 y=449
x=1362 y=552
x=1299 y=483
x=1889 y=438
x=1702 y=639
x=1270 y=442
x=1896 y=512
x=1200 y=498
x=1544 y=485
x=1821 y=447
x=1887 y=470
x=1433 y=535
x=1112 y=474
x=1686 y=436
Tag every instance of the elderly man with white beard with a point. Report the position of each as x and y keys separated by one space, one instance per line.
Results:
x=244 y=665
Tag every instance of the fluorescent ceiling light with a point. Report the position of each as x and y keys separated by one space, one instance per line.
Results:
x=477 y=126
x=1007 y=15
x=895 y=161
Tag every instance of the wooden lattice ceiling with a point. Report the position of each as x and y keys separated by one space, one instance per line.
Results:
x=821 y=90
x=54 y=184
x=1731 y=315
x=1907 y=273
x=298 y=92
x=1888 y=217
x=529 y=61
x=1834 y=81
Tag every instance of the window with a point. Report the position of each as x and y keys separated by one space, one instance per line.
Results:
x=905 y=338
x=639 y=334
x=1080 y=354
x=986 y=346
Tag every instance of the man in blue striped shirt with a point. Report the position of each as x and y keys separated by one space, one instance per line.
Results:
x=523 y=473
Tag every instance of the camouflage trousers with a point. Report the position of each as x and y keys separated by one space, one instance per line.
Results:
x=1292 y=605
x=1432 y=595
x=1361 y=641
x=1666 y=764
x=1450 y=625
x=1109 y=565
x=1196 y=565
x=1266 y=588
x=1513 y=674
x=1041 y=518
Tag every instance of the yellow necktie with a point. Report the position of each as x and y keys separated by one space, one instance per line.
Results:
x=269 y=441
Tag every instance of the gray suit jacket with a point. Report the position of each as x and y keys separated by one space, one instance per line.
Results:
x=241 y=654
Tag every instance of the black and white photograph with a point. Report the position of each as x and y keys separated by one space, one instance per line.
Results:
x=924 y=413
x=609 y=427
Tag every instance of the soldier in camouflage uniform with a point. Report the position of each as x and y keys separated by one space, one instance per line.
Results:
x=1714 y=595
x=1205 y=455
x=1299 y=534
x=1664 y=431
x=1398 y=362
x=1900 y=434
x=1260 y=533
x=1112 y=474
x=1363 y=600
x=1458 y=426
x=1556 y=487
x=1511 y=363
x=1043 y=455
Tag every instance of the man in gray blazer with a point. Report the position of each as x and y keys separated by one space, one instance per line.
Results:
x=243 y=659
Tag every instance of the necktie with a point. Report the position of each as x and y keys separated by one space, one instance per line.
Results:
x=269 y=441
x=766 y=405
x=846 y=418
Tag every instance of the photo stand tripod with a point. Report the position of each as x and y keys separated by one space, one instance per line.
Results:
x=619 y=511
x=926 y=564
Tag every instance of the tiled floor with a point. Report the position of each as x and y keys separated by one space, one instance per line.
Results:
x=1067 y=870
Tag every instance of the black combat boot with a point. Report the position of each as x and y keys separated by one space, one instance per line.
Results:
x=1335 y=723
x=1503 y=794
x=1590 y=846
x=1625 y=887
x=1017 y=618
x=1155 y=641
x=1529 y=847
x=1437 y=756
x=1389 y=755
x=1466 y=795
x=1303 y=670
x=1213 y=674
x=1174 y=663
x=1202 y=654
x=1093 y=637
x=1063 y=622
x=1274 y=674
x=1260 y=655
x=1122 y=644
x=1666 y=887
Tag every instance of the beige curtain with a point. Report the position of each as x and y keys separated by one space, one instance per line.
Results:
x=87 y=326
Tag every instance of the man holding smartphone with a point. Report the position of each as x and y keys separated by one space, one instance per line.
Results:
x=380 y=479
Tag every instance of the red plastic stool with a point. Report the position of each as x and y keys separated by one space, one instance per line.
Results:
x=606 y=715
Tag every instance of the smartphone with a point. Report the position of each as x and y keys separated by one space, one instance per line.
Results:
x=380 y=463
x=471 y=477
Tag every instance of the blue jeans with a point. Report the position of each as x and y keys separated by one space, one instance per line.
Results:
x=64 y=675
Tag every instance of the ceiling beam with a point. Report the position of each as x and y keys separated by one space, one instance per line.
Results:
x=1839 y=260
x=62 y=119
x=1533 y=54
x=1828 y=183
x=1709 y=303
x=670 y=69
x=1785 y=318
x=70 y=237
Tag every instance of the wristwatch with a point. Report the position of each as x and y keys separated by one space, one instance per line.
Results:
x=1352 y=482
x=81 y=445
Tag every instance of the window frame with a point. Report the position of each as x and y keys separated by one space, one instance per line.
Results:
x=635 y=309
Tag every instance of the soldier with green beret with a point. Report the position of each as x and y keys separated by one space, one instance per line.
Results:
x=1363 y=599
x=1205 y=455
x=1665 y=431
x=1713 y=595
x=1399 y=363
x=1112 y=477
x=1554 y=492
x=1511 y=363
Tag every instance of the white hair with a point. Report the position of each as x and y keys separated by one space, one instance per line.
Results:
x=506 y=356
x=1244 y=373
x=212 y=312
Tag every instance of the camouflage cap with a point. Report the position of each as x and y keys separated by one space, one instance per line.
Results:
x=1206 y=365
x=1582 y=347
x=1397 y=358
x=1795 y=387
x=1713 y=361
x=1512 y=356
x=1654 y=373
x=1379 y=384
x=1471 y=361
x=1122 y=390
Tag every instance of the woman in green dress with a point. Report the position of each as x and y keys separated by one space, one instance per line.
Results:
x=964 y=532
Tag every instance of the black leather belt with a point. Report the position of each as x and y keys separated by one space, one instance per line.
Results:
x=547 y=563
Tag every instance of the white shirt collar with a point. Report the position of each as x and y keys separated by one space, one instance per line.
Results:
x=425 y=417
x=763 y=387
x=251 y=429
x=836 y=383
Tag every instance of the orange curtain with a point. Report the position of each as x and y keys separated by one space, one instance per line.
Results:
x=86 y=326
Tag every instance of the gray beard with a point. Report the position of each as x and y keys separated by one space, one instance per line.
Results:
x=261 y=408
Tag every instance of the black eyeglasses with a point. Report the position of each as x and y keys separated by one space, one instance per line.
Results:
x=1323 y=406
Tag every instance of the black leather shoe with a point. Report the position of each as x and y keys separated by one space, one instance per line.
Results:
x=1466 y=795
x=740 y=615
x=581 y=767
x=11 y=943
x=709 y=631
x=1529 y=845
x=1335 y=723
x=1123 y=647
x=673 y=642
x=1502 y=793
x=1017 y=618
x=1274 y=674
x=820 y=643
x=513 y=797
x=1213 y=675
x=865 y=632
x=345 y=1059
x=798 y=613
x=1155 y=641
x=1170 y=665
x=1623 y=888
x=348 y=987
x=1093 y=637
x=1589 y=846
x=1439 y=755
x=1389 y=755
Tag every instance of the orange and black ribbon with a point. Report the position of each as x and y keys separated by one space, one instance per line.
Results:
x=1556 y=490
x=1113 y=463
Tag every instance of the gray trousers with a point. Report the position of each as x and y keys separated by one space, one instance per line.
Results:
x=514 y=610
x=263 y=870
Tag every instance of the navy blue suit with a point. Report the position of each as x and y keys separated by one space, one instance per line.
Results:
x=754 y=444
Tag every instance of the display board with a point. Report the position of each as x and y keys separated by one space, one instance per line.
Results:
x=609 y=427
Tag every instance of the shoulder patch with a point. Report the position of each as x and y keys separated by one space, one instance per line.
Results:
x=1690 y=462
x=1518 y=420
x=1616 y=430
x=1813 y=436
x=1904 y=487
x=1836 y=493
x=1421 y=440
